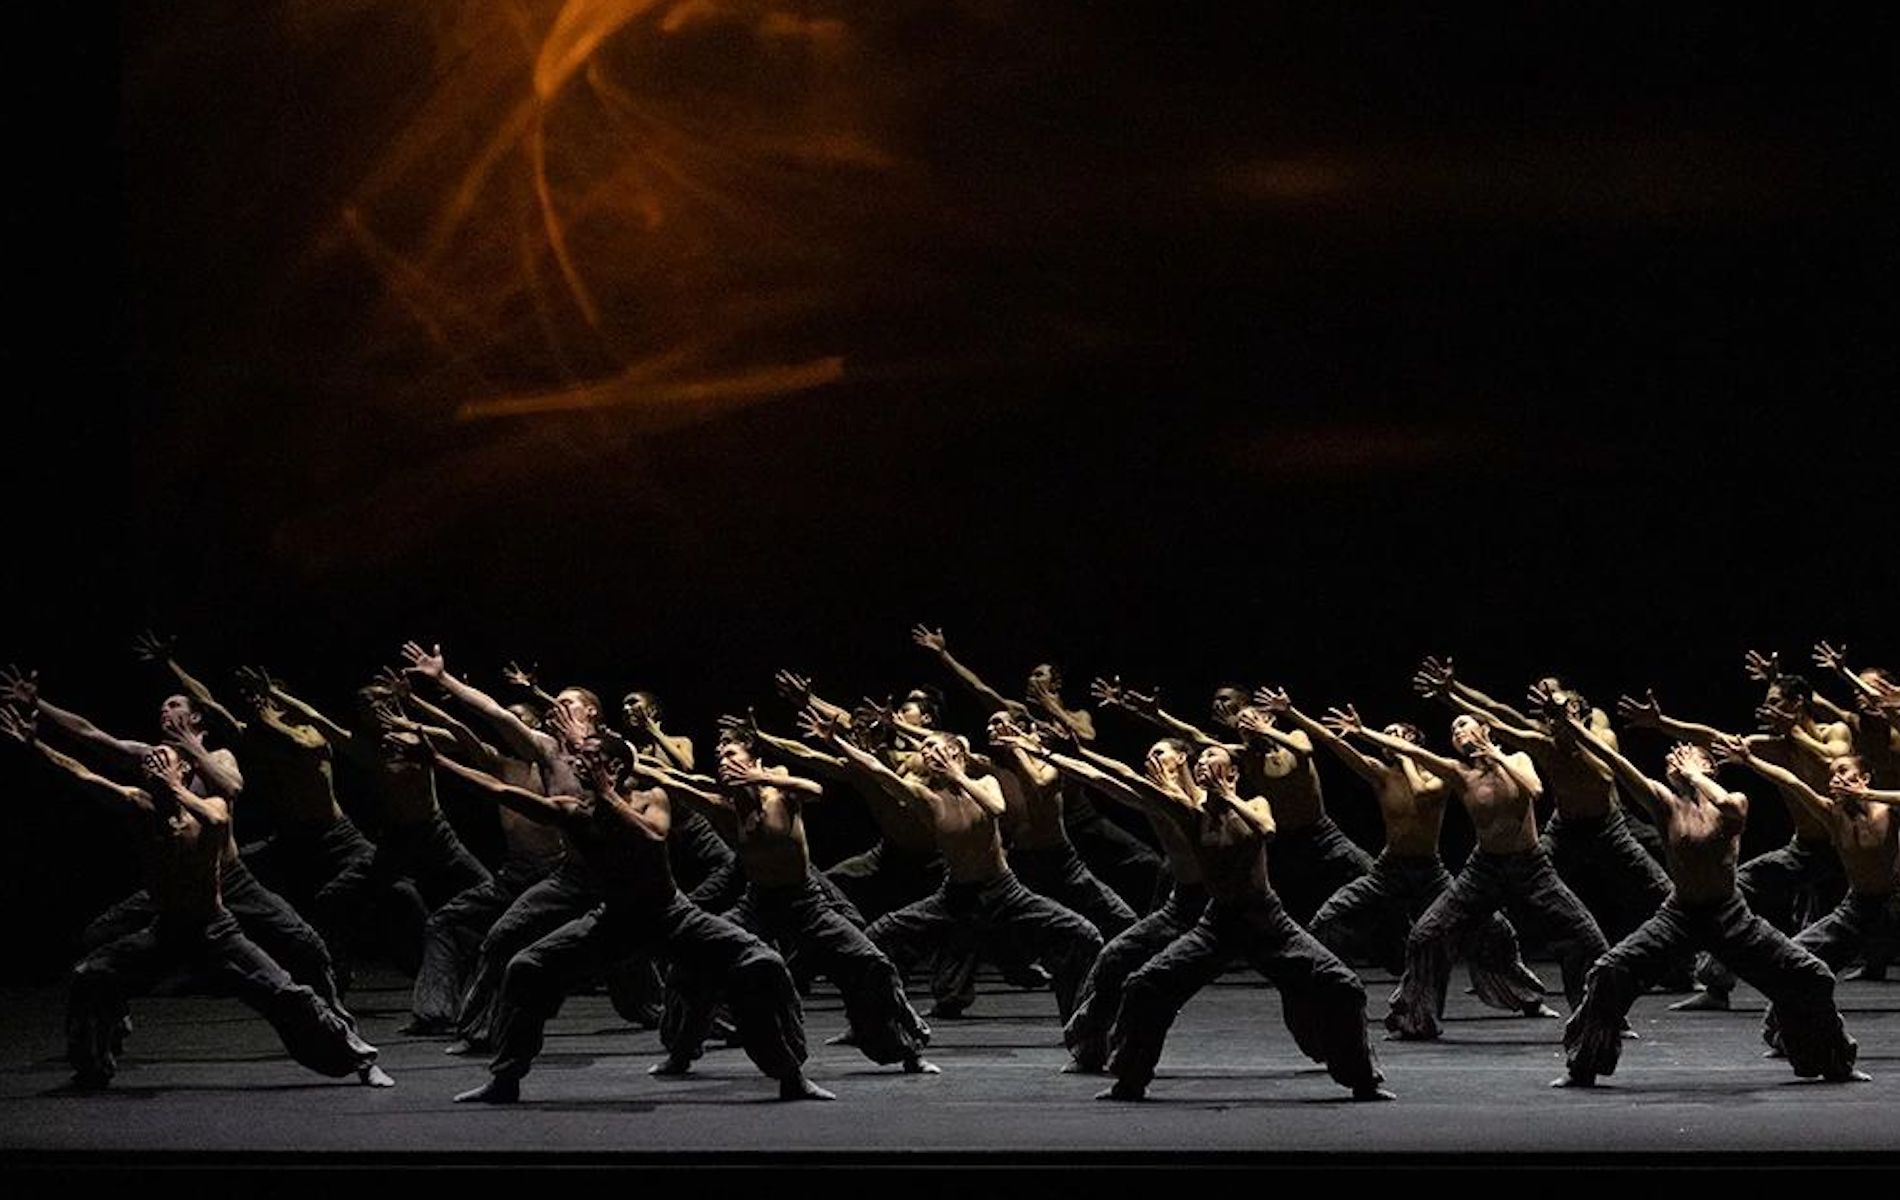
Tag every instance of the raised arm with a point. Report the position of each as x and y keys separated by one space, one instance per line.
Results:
x=733 y=775
x=1740 y=750
x=1647 y=713
x=340 y=736
x=1345 y=723
x=525 y=680
x=826 y=764
x=472 y=749
x=1634 y=782
x=23 y=690
x=518 y=740
x=1834 y=659
x=903 y=791
x=544 y=810
x=1435 y=679
x=150 y=647
x=1255 y=722
x=20 y=728
x=1369 y=769
x=1147 y=706
x=933 y=641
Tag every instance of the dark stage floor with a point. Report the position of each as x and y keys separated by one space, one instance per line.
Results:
x=204 y=1075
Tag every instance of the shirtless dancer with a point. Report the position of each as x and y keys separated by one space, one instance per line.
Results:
x=415 y=843
x=1703 y=823
x=980 y=900
x=184 y=839
x=1087 y=1031
x=1312 y=856
x=904 y=865
x=567 y=892
x=1866 y=836
x=1116 y=856
x=786 y=906
x=1589 y=841
x=703 y=862
x=1373 y=915
x=452 y=938
x=1804 y=879
x=1322 y=1001
x=1509 y=868
x=264 y=917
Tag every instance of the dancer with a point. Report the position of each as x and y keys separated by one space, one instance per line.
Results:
x=567 y=892
x=1087 y=1031
x=1791 y=886
x=1115 y=855
x=1322 y=1001
x=1704 y=823
x=1588 y=840
x=453 y=935
x=1373 y=915
x=785 y=905
x=1867 y=838
x=1509 y=869
x=263 y=916
x=621 y=837
x=183 y=839
x=980 y=899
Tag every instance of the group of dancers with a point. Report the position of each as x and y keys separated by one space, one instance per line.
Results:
x=693 y=899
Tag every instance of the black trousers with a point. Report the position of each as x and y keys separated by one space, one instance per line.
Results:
x=566 y=894
x=326 y=874
x=1797 y=984
x=1100 y=998
x=264 y=917
x=1003 y=920
x=1137 y=873
x=452 y=938
x=1308 y=866
x=709 y=954
x=1059 y=873
x=103 y=983
x=1600 y=860
x=1322 y=1001
x=884 y=879
x=1527 y=887
x=703 y=864
x=1859 y=927
x=1790 y=888
x=803 y=919
x=1371 y=918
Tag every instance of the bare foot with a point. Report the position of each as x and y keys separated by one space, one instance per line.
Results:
x=801 y=1088
x=374 y=1076
x=1537 y=1008
x=1076 y=1066
x=495 y=1091
x=671 y=1067
x=462 y=1046
x=1373 y=1092
x=1574 y=1081
x=1702 y=1002
x=920 y=1066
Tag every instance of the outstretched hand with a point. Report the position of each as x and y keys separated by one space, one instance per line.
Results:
x=18 y=725
x=1830 y=658
x=816 y=725
x=748 y=724
x=429 y=662
x=514 y=674
x=1274 y=700
x=1433 y=677
x=1542 y=700
x=397 y=683
x=16 y=688
x=1644 y=714
x=151 y=647
x=1343 y=721
x=793 y=686
x=1684 y=761
x=1728 y=748
x=1762 y=668
x=930 y=639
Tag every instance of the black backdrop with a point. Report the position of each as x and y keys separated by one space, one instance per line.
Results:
x=1271 y=345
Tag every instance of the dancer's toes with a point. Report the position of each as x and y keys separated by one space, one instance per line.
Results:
x=920 y=1066
x=495 y=1091
x=374 y=1076
x=801 y=1088
x=670 y=1066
